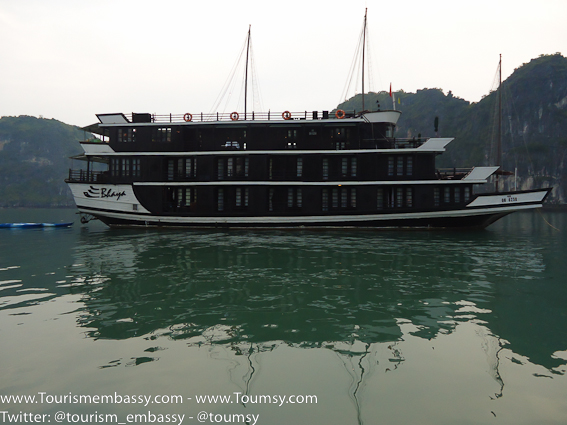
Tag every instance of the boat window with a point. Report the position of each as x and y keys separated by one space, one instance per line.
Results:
x=390 y=165
x=447 y=195
x=436 y=196
x=400 y=166
x=457 y=195
x=325 y=200
x=220 y=199
x=335 y=197
x=409 y=166
x=299 y=167
x=409 y=197
x=467 y=194
x=380 y=198
x=220 y=169
x=241 y=198
x=230 y=167
x=271 y=199
x=399 y=197
x=353 y=197
x=161 y=134
x=294 y=197
x=325 y=168
x=135 y=167
x=126 y=135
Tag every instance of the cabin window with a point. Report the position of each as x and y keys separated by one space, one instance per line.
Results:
x=242 y=166
x=344 y=195
x=271 y=199
x=409 y=166
x=292 y=134
x=399 y=197
x=241 y=197
x=400 y=166
x=353 y=197
x=436 y=196
x=447 y=195
x=389 y=131
x=181 y=168
x=409 y=197
x=229 y=167
x=125 y=167
x=335 y=197
x=380 y=198
x=325 y=200
x=457 y=195
x=220 y=169
x=135 y=167
x=185 y=196
x=161 y=134
x=271 y=169
x=299 y=167
x=467 y=194
x=220 y=199
x=390 y=165
x=294 y=197
x=126 y=135
x=348 y=167
x=190 y=167
x=325 y=169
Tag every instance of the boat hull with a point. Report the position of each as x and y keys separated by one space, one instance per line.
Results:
x=121 y=207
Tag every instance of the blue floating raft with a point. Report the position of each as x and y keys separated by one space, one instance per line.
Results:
x=33 y=225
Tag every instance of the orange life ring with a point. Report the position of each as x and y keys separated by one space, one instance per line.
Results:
x=234 y=116
x=340 y=114
x=286 y=115
x=187 y=117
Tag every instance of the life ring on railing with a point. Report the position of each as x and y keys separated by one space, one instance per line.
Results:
x=340 y=114
x=187 y=117
x=286 y=115
x=234 y=116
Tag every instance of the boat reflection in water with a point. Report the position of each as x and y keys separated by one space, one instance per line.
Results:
x=366 y=297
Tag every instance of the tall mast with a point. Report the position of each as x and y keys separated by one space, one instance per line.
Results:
x=246 y=76
x=499 y=152
x=363 y=49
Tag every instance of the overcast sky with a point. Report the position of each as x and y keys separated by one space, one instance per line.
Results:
x=71 y=59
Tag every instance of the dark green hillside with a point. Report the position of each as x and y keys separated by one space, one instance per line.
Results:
x=34 y=161
x=534 y=124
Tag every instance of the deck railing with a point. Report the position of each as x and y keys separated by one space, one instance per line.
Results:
x=248 y=116
x=83 y=176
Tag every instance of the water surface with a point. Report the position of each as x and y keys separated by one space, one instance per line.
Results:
x=381 y=327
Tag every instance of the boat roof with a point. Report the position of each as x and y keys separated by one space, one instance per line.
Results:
x=284 y=119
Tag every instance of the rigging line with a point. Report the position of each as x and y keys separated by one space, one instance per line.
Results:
x=229 y=81
x=355 y=64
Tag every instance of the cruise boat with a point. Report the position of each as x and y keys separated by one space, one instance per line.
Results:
x=310 y=169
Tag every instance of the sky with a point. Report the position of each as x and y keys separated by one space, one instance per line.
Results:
x=70 y=59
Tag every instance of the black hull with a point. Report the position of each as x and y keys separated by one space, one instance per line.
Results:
x=469 y=222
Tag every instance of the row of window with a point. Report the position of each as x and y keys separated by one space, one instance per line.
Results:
x=451 y=195
x=332 y=199
x=159 y=134
x=125 y=167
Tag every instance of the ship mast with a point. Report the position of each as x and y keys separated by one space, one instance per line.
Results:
x=246 y=74
x=499 y=146
x=363 y=51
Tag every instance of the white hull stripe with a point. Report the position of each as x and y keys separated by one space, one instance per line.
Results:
x=309 y=219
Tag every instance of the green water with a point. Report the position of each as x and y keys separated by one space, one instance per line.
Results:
x=385 y=327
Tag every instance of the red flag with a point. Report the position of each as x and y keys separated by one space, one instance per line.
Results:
x=390 y=89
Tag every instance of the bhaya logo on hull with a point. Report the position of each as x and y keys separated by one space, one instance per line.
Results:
x=95 y=192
